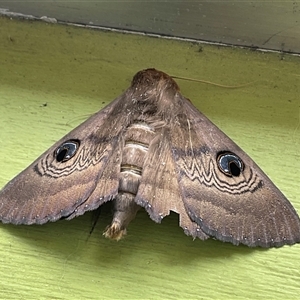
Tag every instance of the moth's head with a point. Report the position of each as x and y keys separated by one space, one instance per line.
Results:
x=153 y=81
x=156 y=91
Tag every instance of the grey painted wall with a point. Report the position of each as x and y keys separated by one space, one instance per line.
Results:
x=264 y=24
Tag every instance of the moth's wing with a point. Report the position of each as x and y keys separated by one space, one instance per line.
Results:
x=248 y=208
x=159 y=192
x=48 y=190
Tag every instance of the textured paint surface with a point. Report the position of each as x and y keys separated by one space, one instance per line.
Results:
x=74 y=71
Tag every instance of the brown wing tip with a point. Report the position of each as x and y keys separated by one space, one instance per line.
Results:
x=251 y=240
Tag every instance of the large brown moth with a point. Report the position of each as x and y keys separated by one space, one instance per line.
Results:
x=152 y=148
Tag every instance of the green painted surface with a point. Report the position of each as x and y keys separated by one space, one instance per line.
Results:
x=75 y=72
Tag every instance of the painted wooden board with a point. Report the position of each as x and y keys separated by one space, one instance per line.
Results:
x=52 y=77
x=256 y=23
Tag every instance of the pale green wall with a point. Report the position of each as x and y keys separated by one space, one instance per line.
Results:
x=76 y=71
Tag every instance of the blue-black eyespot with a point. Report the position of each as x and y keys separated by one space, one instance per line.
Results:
x=230 y=164
x=66 y=150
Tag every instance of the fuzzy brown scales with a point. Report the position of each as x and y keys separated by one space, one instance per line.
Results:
x=152 y=148
x=137 y=139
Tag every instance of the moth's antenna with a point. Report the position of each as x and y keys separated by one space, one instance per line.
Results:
x=78 y=119
x=191 y=143
x=297 y=126
x=213 y=83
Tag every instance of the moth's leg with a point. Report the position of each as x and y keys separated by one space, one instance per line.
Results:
x=125 y=210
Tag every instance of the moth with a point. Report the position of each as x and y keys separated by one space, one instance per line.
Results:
x=152 y=148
